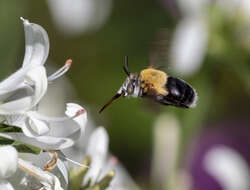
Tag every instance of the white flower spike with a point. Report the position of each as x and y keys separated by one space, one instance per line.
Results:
x=20 y=95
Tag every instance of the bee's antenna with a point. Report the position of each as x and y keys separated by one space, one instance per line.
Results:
x=125 y=67
x=110 y=101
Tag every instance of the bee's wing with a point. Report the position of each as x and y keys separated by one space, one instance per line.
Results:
x=158 y=57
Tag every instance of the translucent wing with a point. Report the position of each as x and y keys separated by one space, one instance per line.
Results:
x=158 y=57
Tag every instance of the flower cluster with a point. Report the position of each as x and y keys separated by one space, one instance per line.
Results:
x=32 y=145
x=23 y=127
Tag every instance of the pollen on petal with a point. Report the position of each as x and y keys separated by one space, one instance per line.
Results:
x=113 y=160
x=81 y=111
x=68 y=62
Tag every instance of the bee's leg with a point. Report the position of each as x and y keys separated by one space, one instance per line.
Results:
x=160 y=99
x=51 y=164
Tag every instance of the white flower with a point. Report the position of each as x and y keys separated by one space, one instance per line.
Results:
x=79 y=16
x=8 y=161
x=228 y=167
x=63 y=132
x=51 y=133
x=36 y=44
x=189 y=45
x=23 y=90
x=23 y=181
x=97 y=149
x=20 y=95
x=8 y=165
x=47 y=179
x=28 y=176
x=15 y=110
x=101 y=161
x=190 y=40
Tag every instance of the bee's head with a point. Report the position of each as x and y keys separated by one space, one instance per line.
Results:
x=130 y=87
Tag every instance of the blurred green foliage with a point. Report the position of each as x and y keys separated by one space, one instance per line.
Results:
x=223 y=83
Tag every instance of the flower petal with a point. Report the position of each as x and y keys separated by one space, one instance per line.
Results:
x=44 y=142
x=14 y=120
x=61 y=164
x=20 y=91
x=77 y=17
x=228 y=167
x=38 y=78
x=25 y=98
x=97 y=149
x=36 y=44
x=38 y=126
x=47 y=132
x=13 y=81
x=98 y=143
x=40 y=161
x=18 y=106
x=49 y=180
x=71 y=111
x=62 y=134
x=8 y=161
x=189 y=46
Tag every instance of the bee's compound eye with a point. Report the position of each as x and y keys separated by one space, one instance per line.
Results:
x=130 y=89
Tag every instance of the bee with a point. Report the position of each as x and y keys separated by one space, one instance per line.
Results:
x=157 y=85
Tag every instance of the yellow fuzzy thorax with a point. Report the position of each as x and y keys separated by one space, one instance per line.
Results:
x=153 y=81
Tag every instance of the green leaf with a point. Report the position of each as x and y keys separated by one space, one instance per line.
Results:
x=24 y=148
x=20 y=147
x=5 y=141
x=9 y=129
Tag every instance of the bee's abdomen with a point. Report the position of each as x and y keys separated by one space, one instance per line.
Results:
x=180 y=94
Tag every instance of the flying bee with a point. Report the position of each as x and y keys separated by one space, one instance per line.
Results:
x=157 y=85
